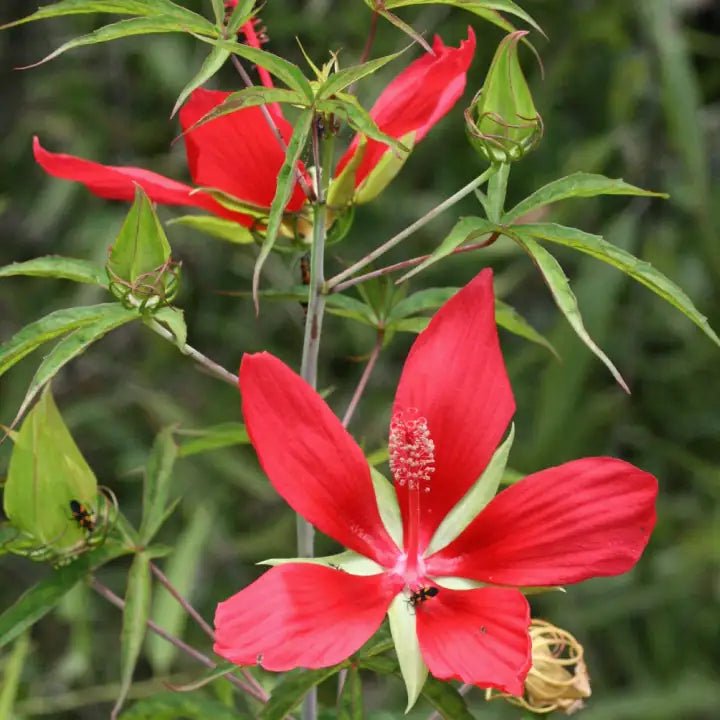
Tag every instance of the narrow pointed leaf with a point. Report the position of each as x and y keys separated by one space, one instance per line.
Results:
x=128 y=28
x=213 y=438
x=565 y=299
x=465 y=229
x=212 y=63
x=476 y=498
x=174 y=320
x=43 y=597
x=422 y=301
x=51 y=326
x=252 y=97
x=577 y=185
x=340 y=80
x=145 y=8
x=508 y=318
x=446 y=700
x=285 y=184
x=156 y=490
x=69 y=348
x=290 y=74
x=637 y=269
x=182 y=571
x=135 y=617
x=479 y=7
x=348 y=107
x=55 y=266
x=290 y=691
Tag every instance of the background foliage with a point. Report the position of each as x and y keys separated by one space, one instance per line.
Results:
x=630 y=89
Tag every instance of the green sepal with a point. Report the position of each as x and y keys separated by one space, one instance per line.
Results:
x=502 y=122
x=348 y=561
x=413 y=669
x=139 y=267
x=474 y=500
x=46 y=472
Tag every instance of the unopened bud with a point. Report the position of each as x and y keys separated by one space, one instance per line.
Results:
x=502 y=122
x=558 y=678
x=141 y=272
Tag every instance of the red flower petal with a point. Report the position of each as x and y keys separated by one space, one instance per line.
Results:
x=310 y=458
x=301 y=615
x=416 y=99
x=237 y=153
x=479 y=637
x=455 y=377
x=583 y=519
x=118 y=183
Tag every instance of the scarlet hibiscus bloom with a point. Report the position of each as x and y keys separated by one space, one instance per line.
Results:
x=586 y=518
x=239 y=155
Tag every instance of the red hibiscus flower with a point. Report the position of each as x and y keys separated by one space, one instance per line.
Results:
x=239 y=155
x=586 y=518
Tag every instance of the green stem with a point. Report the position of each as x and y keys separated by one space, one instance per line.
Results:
x=323 y=157
x=431 y=215
x=497 y=189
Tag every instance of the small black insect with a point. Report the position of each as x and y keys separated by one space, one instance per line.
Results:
x=422 y=594
x=84 y=517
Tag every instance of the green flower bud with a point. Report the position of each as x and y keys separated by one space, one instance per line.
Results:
x=502 y=122
x=140 y=268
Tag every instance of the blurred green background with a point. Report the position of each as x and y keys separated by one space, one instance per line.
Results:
x=631 y=89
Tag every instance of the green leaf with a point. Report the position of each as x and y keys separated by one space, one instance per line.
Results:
x=11 y=674
x=413 y=669
x=69 y=348
x=340 y=80
x=350 y=703
x=135 y=617
x=43 y=597
x=474 y=500
x=173 y=705
x=212 y=63
x=182 y=571
x=465 y=229
x=559 y=286
x=577 y=185
x=217 y=227
x=145 y=8
x=349 y=307
x=129 y=28
x=285 y=184
x=156 y=489
x=205 y=678
x=213 y=438
x=174 y=320
x=47 y=471
x=446 y=700
x=290 y=74
x=422 y=301
x=348 y=107
x=637 y=269
x=508 y=318
x=56 y=323
x=479 y=7
x=291 y=689
x=55 y=266
x=252 y=97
